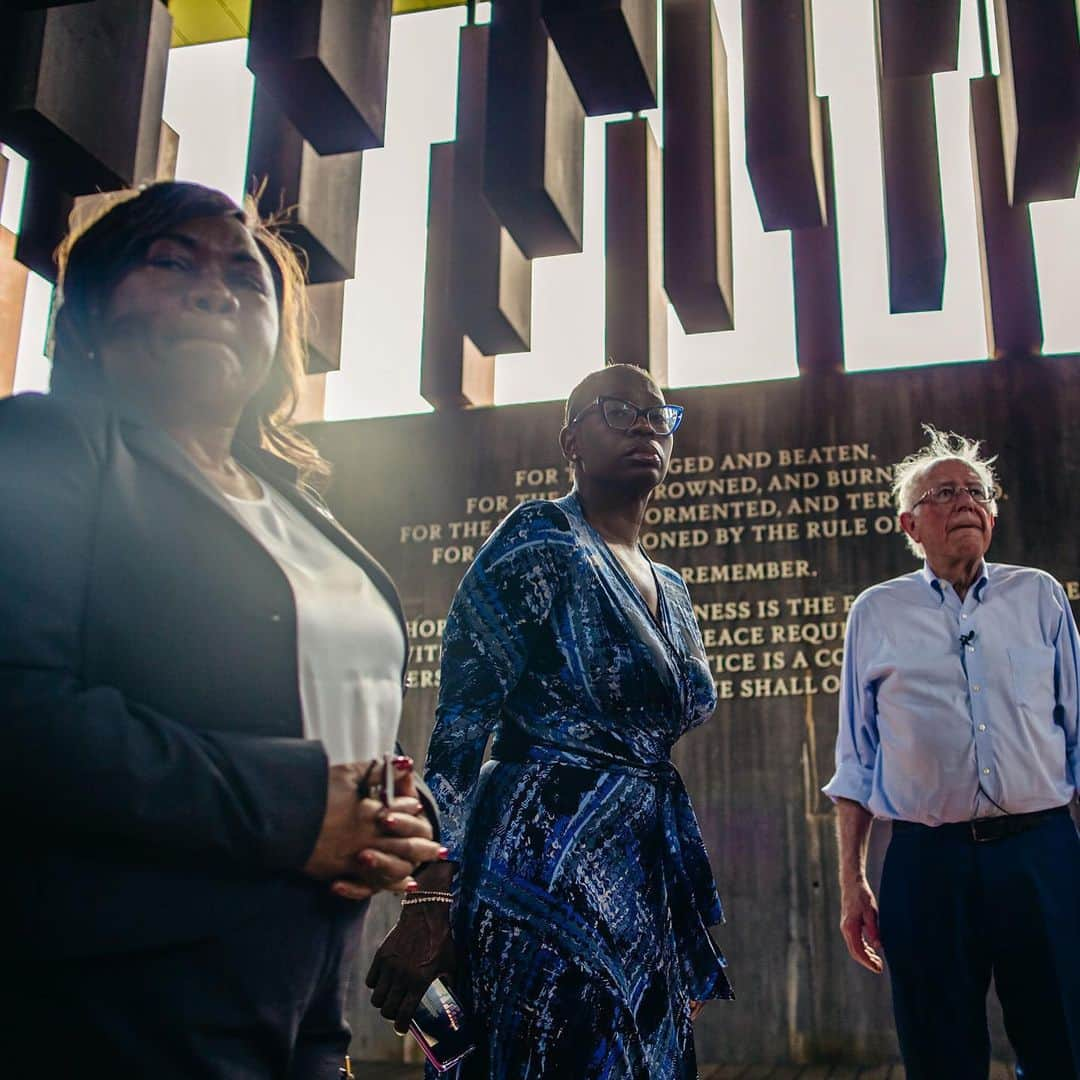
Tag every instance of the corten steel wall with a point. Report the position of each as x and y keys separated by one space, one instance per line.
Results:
x=772 y=572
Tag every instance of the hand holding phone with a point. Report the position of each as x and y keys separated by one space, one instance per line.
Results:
x=441 y=1028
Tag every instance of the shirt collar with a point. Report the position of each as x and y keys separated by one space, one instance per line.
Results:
x=938 y=585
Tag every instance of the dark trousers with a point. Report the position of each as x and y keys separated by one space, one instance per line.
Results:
x=264 y=1001
x=955 y=912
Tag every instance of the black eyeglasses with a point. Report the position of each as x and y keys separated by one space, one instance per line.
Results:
x=947 y=493
x=622 y=415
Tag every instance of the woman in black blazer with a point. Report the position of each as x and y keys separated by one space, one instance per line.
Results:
x=184 y=858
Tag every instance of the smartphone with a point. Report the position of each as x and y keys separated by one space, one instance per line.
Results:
x=441 y=1027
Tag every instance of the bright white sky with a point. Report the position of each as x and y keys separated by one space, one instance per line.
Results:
x=208 y=100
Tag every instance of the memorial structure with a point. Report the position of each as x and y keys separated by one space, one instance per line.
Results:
x=776 y=511
x=777 y=514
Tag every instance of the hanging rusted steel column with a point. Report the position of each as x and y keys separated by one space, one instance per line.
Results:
x=453 y=372
x=918 y=38
x=49 y=212
x=326 y=63
x=478 y=284
x=13 y=276
x=636 y=307
x=46 y=211
x=319 y=194
x=534 y=150
x=609 y=49
x=815 y=258
x=327 y=302
x=914 y=221
x=168 y=153
x=1039 y=97
x=698 y=273
x=85 y=90
x=783 y=120
x=322 y=192
x=1006 y=248
x=492 y=278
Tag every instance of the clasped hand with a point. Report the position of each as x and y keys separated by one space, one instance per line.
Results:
x=364 y=847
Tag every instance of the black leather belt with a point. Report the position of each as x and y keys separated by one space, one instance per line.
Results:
x=985 y=829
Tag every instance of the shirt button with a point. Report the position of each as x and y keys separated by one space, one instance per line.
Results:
x=976 y=688
x=982 y=727
x=986 y=772
x=275 y=617
x=971 y=648
x=963 y=616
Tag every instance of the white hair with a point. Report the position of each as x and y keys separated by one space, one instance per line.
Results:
x=909 y=476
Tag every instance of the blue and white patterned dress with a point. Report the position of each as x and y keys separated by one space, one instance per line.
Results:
x=584 y=893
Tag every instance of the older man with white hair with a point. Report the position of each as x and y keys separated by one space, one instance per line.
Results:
x=958 y=723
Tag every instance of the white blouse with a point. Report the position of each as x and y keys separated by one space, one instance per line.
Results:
x=349 y=641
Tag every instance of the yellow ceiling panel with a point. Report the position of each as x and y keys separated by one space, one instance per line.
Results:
x=403 y=7
x=196 y=22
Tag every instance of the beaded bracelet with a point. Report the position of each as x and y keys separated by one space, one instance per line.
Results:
x=426 y=898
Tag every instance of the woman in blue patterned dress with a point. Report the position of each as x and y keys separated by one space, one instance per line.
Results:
x=582 y=891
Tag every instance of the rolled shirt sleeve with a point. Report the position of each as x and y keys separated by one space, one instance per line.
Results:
x=857 y=737
x=1067 y=681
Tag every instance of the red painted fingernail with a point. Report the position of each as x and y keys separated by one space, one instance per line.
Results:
x=403 y=762
x=366 y=858
x=390 y=819
x=411 y=885
x=444 y=853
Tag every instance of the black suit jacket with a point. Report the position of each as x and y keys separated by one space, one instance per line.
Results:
x=155 y=780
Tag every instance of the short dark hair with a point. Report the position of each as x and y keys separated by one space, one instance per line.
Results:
x=585 y=393
x=94 y=259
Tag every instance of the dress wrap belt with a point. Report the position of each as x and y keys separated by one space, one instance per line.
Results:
x=692 y=895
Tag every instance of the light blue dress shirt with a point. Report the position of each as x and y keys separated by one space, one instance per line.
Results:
x=948 y=708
